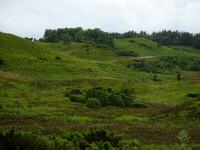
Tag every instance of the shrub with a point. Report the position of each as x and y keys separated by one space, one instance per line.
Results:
x=131 y=41
x=1 y=107
x=116 y=100
x=141 y=105
x=93 y=103
x=13 y=140
x=155 y=77
x=94 y=135
x=127 y=53
x=132 y=144
x=128 y=96
x=74 y=91
x=108 y=97
x=77 y=98
x=183 y=137
x=1 y=61
x=42 y=58
x=94 y=138
x=67 y=99
x=193 y=95
x=104 y=97
x=100 y=94
x=178 y=76
x=58 y=58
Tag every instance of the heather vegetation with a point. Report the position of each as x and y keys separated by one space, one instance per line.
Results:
x=94 y=138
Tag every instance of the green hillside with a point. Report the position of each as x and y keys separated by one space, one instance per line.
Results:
x=35 y=76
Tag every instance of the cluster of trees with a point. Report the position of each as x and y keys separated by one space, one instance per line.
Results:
x=166 y=64
x=130 y=34
x=100 y=97
x=67 y=35
x=94 y=138
x=99 y=37
x=176 y=38
x=165 y=37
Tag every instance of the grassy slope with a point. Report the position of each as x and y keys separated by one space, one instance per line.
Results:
x=145 y=47
x=33 y=83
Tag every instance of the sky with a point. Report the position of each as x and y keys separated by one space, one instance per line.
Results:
x=30 y=18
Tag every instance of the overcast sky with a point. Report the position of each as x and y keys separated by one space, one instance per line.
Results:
x=32 y=17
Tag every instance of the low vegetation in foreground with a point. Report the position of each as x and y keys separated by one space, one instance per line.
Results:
x=88 y=89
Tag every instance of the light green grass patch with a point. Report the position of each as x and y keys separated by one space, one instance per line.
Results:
x=128 y=118
x=79 y=119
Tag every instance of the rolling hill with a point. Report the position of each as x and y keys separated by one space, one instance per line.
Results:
x=35 y=76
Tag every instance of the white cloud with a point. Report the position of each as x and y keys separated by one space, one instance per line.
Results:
x=31 y=18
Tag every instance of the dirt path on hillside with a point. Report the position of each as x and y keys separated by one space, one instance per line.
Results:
x=10 y=75
x=146 y=57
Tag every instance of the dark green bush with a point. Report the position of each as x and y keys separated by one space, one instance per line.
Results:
x=98 y=138
x=141 y=105
x=13 y=140
x=1 y=61
x=100 y=94
x=178 y=76
x=155 y=77
x=1 y=107
x=132 y=41
x=194 y=95
x=74 y=91
x=42 y=58
x=108 y=97
x=58 y=58
x=193 y=65
x=94 y=135
x=93 y=103
x=128 y=95
x=94 y=138
x=127 y=53
x=116 y=100
x=77 y=98
x=155 y=66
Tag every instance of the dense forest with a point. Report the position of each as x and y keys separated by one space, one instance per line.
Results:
x=101 y=38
